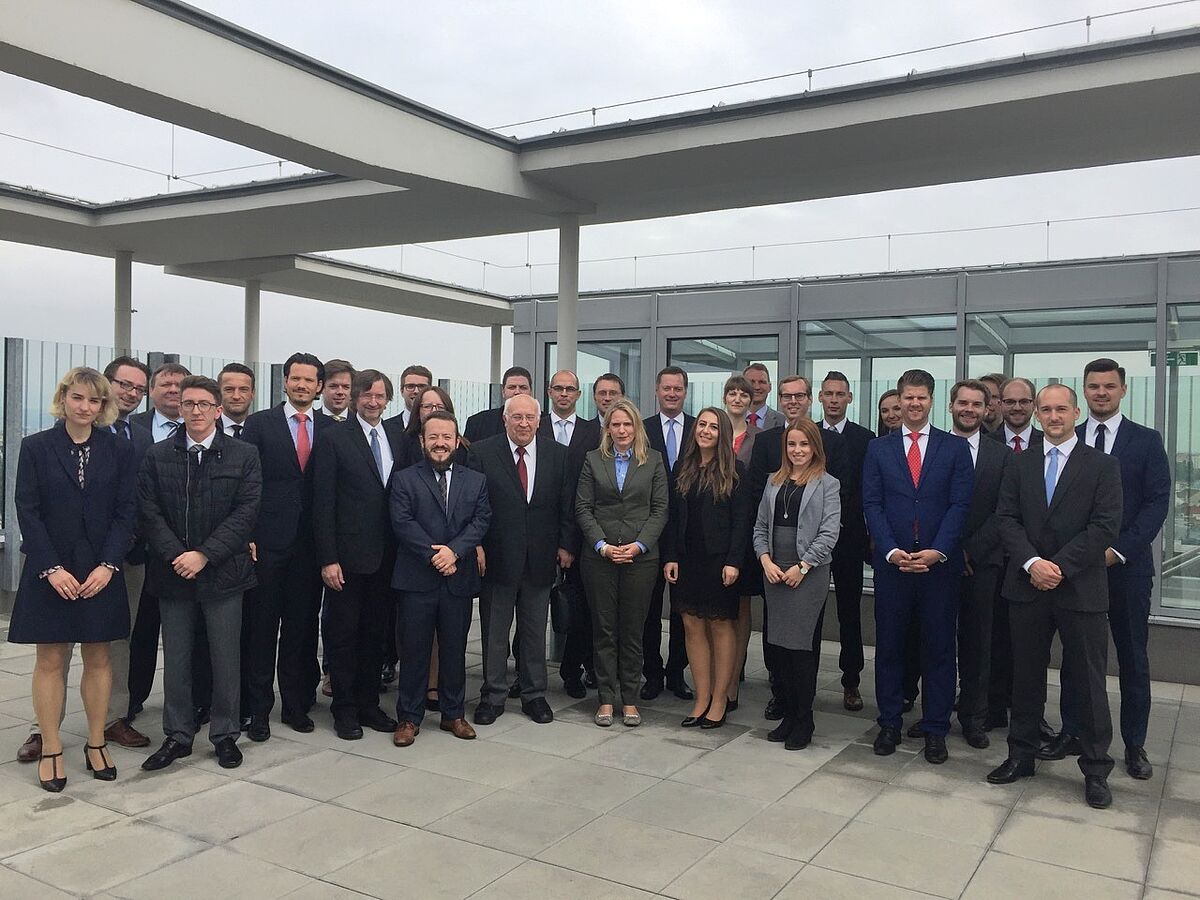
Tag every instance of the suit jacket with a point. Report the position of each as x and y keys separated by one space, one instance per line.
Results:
x=484 y=424
x=981 y=535
x=285 y=515
x=773 y=419
x=523 y=538
x=853 y=537
x=930 y=515
x=419 y=520
x=142 y=441
x=654 y=434
x=817 y=525
x=1146 y=495
x=585 y=437
x=636 y=513
x=350 y=502
x=1073 y=531
x=726 y=524
x=145 y=421
x=1035 y=438
x=745 y=452
x=767 y=456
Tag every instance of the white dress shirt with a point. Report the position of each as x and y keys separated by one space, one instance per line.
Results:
x=563 y=429
x=663 y=419
x=530 y=464
x=385 y=449
x=1064 y=453
x=1110 y=429
x=228 y=423
x=290 y=412
x=838 y=426
x=972 y=442
x=1024 y=435
x=204 y=445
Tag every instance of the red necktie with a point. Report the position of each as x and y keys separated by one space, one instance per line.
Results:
x=914 y=458
x=522 y=472
x=754 y=419
x=1017 y=443
x=303 y=448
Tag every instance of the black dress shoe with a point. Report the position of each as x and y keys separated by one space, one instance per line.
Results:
x=538 y=710
x=680 y=689
x=977 y=738
x=1136 y=763
x=774 y=710
x=170 y=751
x=300 y=722
x=914 y=730
x=377 y=720
x=935 y=749
x=731 y=705
x=1096 y=792
x=514 y=690
x=908 y=705
x=1010 y=770
x=348 y=731
x=575 y=689
x=228 y=754
x=589 y=679
x=782 y=731
x=650 y=690
x=486 y=713
x=259 y=729
x=706 y=722
x=1060 y=748
x=1045 y=732
x=996 y=720
x=887 y=740
x=798 y=739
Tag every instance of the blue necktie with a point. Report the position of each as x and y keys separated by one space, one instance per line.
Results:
x=672 y=444
x=377 y=452
x=1051 y=474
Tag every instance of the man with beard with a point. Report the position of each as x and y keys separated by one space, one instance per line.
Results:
x=993 y=418
x=237 y=396
x=1016 y=404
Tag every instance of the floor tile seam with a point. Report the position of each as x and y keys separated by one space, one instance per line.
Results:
x=503 y=874
x=230 y=846
x=932 y=837
x=143 y=816
x=1043 y=862
x=890 y=884
x=493 y=793
x=562 y=865
x=680 y=831
x=208 y=846
x=454 y=837
x=935 y=793
x=123 y=816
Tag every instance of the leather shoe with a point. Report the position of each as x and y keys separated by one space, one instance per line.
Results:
x=377 y=720
x=405 y=734
x=348 y=731
x=780 y=732
x=650 y=690
x=798 y=739
x=977 y=738
x=852 y=699
x=460 y=728
x=170 y=751
x=514 y=690
x=997 y=719
x=538 y=710
x=300 y=722
x=1060 y=748
x=887 y=740
x=575 y=689
x=121 y=732
x=774 y=710
x=1096 y=792
x=1010 y=770
x=228 y=754
x=387 y=674
x=935 y=749
x=31 y=750
x=486 y=713
x=914 y=730
x=1045 y=732
x=259 y=730
x=679 y=687
x=1136 y=763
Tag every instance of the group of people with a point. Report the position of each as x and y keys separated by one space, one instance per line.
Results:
x=251 y=539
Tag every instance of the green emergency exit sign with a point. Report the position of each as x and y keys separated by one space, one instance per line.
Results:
x=1177 y=358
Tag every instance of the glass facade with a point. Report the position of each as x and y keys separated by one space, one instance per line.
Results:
x=1180 y=571
x=596 y=358
x=709 y=361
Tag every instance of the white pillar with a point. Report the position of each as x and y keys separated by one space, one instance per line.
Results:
x=250 y=353
x=497 y=349
x=568 y=291
x=123 y=302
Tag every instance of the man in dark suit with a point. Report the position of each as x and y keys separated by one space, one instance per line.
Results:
x=579 y=437
x=439 y=513
x=1016 y=406
x=1060 y=512
x=606 y=390
x=994 y=418
x=163 y=418
x=983 y=558
x=668 y=432
x=528 y=484
x=284 y=608
x=352 y=472
x=851 y=551
x=488 y=422
x=1146 y=490
x=917 y=486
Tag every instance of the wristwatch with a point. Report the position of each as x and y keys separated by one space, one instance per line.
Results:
x=805 y=568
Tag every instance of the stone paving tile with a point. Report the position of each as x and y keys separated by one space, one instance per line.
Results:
x=557 y=738
x=948 y=818
x=228 y=812
x=733 y=869
x=537 y=879
x=414 y=797
x=216 y=872
x=37 y=821
x=814 y=881
x=1174 y=865
x=840 y=795
x=644 y=755
x=793 y=832
x=513 y=822
x=693 y=810
x=1001 y=877
x=1089 y=848
x=17 y=886
x=325 y=774
x=598 y=788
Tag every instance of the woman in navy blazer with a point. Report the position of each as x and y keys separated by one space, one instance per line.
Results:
x=76 y=509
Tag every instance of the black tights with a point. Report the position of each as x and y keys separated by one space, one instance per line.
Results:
x=795 y=674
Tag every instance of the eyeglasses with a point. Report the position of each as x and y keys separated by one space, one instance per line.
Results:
x=1024 y=404
x=433 y=407
x=129 y=386
x=380 y=398
x=563 y=389
x=414 y=387
x=202 y=405
x=521 y=418
x=801 y=396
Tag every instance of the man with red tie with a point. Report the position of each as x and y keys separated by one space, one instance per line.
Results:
x=1016 y=405
x=760 y=385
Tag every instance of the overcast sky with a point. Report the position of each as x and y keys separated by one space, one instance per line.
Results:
x=501 y=62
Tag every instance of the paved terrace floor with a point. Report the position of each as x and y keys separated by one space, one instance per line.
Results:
x=575 y=811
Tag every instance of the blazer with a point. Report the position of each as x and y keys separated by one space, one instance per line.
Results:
x=1082 y=520
x=930 y=515
x=981 y=534
x=585 y=437
x=773 y=419
x=350 y=502
x=142 y=441
x=1145 y=492
x=484 y=424
x=746 y=451
x=523 y=538
x=725 y=523
x=419 y=520
x=1035 y=437
x=637 y=513
x=855 y=439
x=817 y=525
x=285 y=515
x=654 y=435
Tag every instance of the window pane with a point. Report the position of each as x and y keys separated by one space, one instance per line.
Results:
x=1180 y=574
x=596 y=358
x=710 y=361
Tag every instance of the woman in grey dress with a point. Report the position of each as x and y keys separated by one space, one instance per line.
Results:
x=798 y=523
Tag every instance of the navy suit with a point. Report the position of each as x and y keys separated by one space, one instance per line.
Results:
x=930 y=515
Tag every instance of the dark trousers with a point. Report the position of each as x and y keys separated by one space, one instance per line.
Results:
x=324 y=629
x=619 y=596
x=529 y=603
x=577 y=648
x=975 y=645
x=202 y=674
x=652 y=662
x=912 y=660
x=388 y=636
x=418 y=617
x=847 y=571
x=1085 y=644
x=353 y=619
x=931 y=598
x=1001 y=675
x=283 y=621
x=796 y=679
x=223 y=619
x=143 y=651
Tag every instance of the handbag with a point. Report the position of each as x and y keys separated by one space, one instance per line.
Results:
x=561 y=603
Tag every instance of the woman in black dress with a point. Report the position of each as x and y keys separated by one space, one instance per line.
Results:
x=76 y=509
x=704 y=546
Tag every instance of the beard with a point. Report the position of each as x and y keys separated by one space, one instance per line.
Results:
x=439 y=465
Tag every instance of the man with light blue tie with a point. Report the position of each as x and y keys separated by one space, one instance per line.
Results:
x=666 y=431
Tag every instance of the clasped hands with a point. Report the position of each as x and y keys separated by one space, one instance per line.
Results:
x=729 y=574
x=1045 y=575
x=776 y=575
x=917 y=562
x=67 y=587
x=621 y=554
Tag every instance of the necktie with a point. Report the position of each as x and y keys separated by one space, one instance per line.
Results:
x=753 y=419
x=443 y=487
x=341 y=418
x=1051 y=474
x=303 y=447
x=672 y=444
x=237 y=431
x=1016 y=442
x=523 y=472
x=171 y=426
x=123 y=429
x=1101 y=433
x=194 y=452
x=914 y=458
x=561 y=437
x=377 y=452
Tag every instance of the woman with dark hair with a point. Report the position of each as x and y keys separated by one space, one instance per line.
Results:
x=704 y=547
x=889 y=412
x=797 y=527
x=738 y=397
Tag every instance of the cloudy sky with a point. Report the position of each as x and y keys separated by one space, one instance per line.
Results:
x=498 y=63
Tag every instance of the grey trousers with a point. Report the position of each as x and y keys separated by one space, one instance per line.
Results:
x=497 y=605
x=223 y=620
x=619 y=596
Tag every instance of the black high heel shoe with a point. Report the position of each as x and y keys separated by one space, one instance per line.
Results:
x=694 y=721
x=53 y=785
x=108 y=773
x=707 y=723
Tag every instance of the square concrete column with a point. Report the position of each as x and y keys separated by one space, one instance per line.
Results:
x=250 y=353
x=568 y=291
x=123 y=302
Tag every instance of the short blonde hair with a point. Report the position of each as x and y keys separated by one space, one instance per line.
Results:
x=88 y=377
x=641 y=446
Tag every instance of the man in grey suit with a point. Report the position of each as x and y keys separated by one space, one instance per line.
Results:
x=760 y=383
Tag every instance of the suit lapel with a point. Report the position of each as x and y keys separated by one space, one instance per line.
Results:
x=510 y=466
x=62 y=450
x=1124 y=436
x=933 y=444
x=1068 y=474
x=541 y=470
x=359 y=438
x=902 y=456
x=610 y=469
x=809 y=490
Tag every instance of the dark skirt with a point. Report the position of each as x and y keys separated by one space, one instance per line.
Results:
x=699 y=591
x=41 y=616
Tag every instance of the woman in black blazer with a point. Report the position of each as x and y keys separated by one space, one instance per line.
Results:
x=76 y=509
x=704 y=546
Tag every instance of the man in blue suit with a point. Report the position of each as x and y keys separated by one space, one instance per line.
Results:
x=440 y=514
x=917 y=485
x=1146 y=488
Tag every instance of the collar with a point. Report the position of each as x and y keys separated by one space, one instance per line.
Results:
x=973 y=440
x=1111 y=424
x=529 y=448
x=227 y=423
x=1024 y=435
x=206 y=443
x=289 y=411
x=663 y=419
x=159 y=419
x=923 y=430
x=624 y=455
x=367 y=427
x=835 y=426
x=555 y=418
x=1064 y=448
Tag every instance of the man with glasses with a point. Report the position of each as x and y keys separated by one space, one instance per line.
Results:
x=488 y=422
x=606 y=390
x=1016 y=405
x=413 y=381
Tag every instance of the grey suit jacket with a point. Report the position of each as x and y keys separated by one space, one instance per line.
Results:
x=637 y=513
x=817 y=526
x=775 y=419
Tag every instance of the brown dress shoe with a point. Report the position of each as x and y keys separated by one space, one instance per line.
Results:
x=405 y=734
x=460 y=728
x=852 y=699
x=121 y=732
x=31 y=749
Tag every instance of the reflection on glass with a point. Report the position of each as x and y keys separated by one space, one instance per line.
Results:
x=710 y=361
x=1180 y=574
x=595 y=358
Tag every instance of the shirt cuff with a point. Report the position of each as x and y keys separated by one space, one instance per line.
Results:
x=1029 y=562
x=599 y=544
x=641 y=546
x=1117 y=554
x=942 y=556
x=888 y=557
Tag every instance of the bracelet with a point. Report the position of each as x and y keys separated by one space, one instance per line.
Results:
x=48 y=572
x=110 y=567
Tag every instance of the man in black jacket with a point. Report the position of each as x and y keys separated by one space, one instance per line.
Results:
x=198 y=499
x=488 y=422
